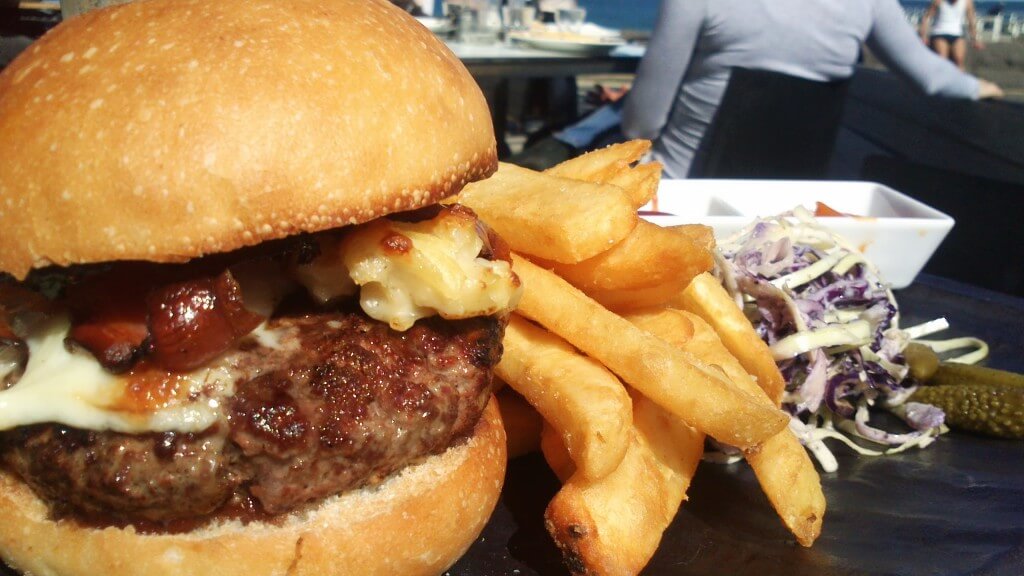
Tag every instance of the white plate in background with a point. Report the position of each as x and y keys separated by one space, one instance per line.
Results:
x=436 y=25
x=896 y=232
x=576 y=45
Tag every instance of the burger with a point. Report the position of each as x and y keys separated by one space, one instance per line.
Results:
x=239 y=331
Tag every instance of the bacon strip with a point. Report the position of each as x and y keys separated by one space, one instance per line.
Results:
x=6 y=333
x=193 y=322
x=108 y=317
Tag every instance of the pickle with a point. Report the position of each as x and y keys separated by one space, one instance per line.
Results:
x=994 y=410
x=953 y=374
x=922 y=360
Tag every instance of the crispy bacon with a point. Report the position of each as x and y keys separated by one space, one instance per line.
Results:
x=194 y=321
x=6 y=332
x=178 y=320
x=108 y=316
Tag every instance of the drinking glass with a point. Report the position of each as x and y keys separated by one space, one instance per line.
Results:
x=519 y=18
x=570 y=19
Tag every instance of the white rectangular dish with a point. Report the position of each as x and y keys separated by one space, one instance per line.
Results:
x=898 y=233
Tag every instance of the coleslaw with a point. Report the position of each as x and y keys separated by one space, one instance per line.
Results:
x=832 y=325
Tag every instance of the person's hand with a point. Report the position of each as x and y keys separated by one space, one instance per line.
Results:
x=603 y=95
x=988 y=89
x=978 y=45
x=613 y=94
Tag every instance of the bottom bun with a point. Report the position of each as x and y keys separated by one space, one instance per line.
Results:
x=420 y=521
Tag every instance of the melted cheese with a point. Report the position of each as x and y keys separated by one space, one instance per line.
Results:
x=411 y=270
x=406 y=271
x=72 y=388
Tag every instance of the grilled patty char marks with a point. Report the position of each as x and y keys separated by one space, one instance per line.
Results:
x=340 y=402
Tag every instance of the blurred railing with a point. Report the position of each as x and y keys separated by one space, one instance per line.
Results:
x=990 y=28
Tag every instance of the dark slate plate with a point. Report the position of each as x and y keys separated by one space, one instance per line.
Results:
x=954 y=508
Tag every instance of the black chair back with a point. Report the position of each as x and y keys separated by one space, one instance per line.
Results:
x=986 y=246
x=771 y=125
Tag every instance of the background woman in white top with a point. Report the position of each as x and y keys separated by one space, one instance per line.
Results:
x=942 y=28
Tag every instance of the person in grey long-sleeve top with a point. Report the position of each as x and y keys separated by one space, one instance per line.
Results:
x=696 y=43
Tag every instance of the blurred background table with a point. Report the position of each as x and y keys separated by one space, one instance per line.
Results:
x=509 y=60
x=505 y=69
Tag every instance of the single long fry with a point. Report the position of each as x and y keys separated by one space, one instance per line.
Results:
x=678 y=381
x=583 y=401
x=627 y=299
x=601 y=165
x=614 y=525
x=640 y=182
x=699 y=234
x=782 y=466
x=706 y=298
x=791 y=483
x=553 y=218
x=649 y=267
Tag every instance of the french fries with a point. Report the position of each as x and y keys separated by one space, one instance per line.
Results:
x=620 y=387
x=601 y=165
x=614 y=525
x=640 y=182
x=684 y=385
x=557 y=219
x=701 y=235
x=584 y=402
x=706 y=298
x=650 y=266
x=782 y=466
x=612 y=165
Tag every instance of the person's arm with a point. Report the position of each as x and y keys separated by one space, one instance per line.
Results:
x=893 y=41
x=926 y=20
x=662 y=69
x=972 y=26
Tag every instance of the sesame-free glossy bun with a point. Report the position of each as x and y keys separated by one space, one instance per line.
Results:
x=418 y=522
x=163 y=130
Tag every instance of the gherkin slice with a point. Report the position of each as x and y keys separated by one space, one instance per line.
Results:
x=994 y=410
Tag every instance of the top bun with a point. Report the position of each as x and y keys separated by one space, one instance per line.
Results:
x=164 y=130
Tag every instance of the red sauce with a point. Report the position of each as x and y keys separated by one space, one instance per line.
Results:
x=824 y=210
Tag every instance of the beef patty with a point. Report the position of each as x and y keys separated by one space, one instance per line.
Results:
x=335 y=402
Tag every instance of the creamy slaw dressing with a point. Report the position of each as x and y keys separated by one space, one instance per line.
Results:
x=832 y=324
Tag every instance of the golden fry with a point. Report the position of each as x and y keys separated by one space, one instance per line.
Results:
x=614 y=525
x=522 y=422
x=782 y=466
x=553 y=218
x=789 y=479
x=640 y=182
x=628 y=299
x=582 y=400
x=654 y=261
x=674 y=379
x=601 y=165
x=699 y=234
x=706 y=298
